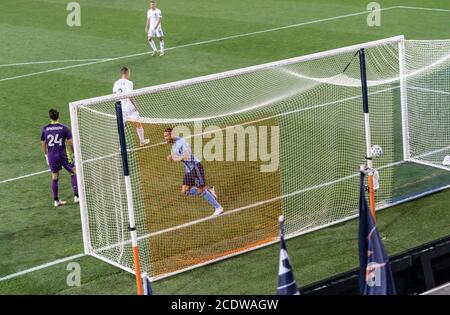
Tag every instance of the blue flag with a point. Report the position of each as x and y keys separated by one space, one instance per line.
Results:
x=286 y=280
x=375 y=274
x=147 y=285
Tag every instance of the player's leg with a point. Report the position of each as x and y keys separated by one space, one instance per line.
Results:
x=212 y=190
x=73 y=179
x=55 y=185
x=152 y=42
x=189 y=186
x=204 y=191
x=140 y=133
x=194 y=185
x=134 y=117
x=161 y=42
x=185 y=190
x=55 y=177
x=161 y=46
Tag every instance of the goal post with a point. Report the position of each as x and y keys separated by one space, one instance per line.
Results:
x=403 y=99
x=80 y=183
x=129 y=194
x=283 y=138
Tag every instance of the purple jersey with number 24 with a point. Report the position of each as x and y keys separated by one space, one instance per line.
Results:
x=55 y=135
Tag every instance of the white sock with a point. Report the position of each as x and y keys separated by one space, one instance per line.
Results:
x=152 y=44
x=140 y=132
x=161 y=46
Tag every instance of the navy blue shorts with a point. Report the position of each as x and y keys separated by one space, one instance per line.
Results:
x=196 y=177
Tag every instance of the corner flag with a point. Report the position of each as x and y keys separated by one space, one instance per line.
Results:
x=286 y=280
x=147 y=285
x=375 y=274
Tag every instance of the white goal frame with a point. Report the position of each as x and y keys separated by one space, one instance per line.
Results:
x=400 y=40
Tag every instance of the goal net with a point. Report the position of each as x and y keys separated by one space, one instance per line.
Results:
x=279 y=138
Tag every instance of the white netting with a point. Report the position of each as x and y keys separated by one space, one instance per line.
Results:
x=429 y=101
x=303 y=144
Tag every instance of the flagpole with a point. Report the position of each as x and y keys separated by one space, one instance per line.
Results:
x=281 y=220
x=365 y=98
x=375 y=273
x=286 y=280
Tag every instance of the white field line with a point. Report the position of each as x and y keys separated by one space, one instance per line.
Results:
x=196 y=43
x=423 y=8
x=24 y=176
x=443 y=286
x=49 y=264
x=49 y=61
x=54 y=70
x=427 y=90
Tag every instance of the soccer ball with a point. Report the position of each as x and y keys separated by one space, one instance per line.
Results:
x=446 y=161
x=377 y=151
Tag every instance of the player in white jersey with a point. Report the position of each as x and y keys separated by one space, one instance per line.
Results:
x=129 y=108
x=153 y=28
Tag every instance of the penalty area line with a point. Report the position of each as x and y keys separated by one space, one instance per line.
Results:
x=24 y=176
x=43 y=266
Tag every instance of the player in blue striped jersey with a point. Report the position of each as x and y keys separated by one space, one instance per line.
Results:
x=194 y=182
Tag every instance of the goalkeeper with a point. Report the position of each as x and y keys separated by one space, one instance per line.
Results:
x=194 y=183
x=53 y=143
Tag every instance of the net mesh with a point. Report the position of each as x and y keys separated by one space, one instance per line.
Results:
x=429 y=101
x=287 y=139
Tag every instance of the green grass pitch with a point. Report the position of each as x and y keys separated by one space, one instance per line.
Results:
x=32 y=232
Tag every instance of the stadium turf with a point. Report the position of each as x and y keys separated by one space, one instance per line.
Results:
x=32 y=232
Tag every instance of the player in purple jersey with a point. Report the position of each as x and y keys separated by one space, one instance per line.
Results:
x=53 y=144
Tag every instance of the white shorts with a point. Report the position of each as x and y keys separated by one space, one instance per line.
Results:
x=131 y=114
x=156 y=33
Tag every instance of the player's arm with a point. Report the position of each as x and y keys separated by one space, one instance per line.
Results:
x=69 y=140
x=133 y=101
x=147 y=25
x=44 y=146
x=158 y=22
x=70 y=143
x=44 y=149
x=178 y=158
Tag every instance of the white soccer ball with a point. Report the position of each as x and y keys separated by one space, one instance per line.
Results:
x=446 y=161
x=377 y=151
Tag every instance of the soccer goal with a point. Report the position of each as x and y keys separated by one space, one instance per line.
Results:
x=286 y=137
